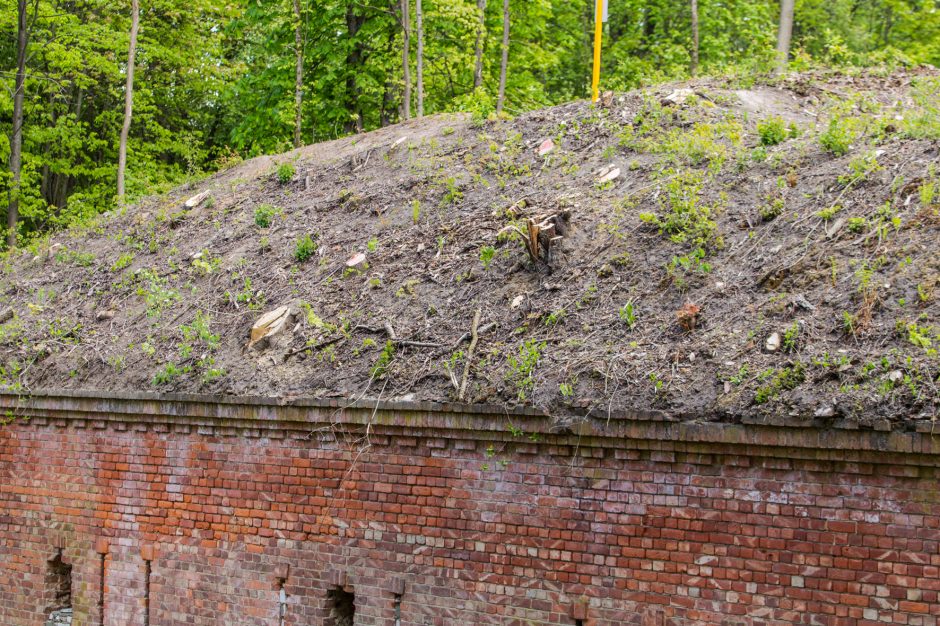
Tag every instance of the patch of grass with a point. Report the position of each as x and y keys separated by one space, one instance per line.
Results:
x=82 y=259
x=857 y=224
x=785 y=379
x=407 y=288
x=923 y=121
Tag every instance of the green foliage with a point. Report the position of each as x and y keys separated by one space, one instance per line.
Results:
x=304 y=248
x=772 y=131
x=522 y=367
x=194 y=352
x=285 y=173
x=791 y=337
x=264 y=214
x=122 y=262
x=686 y=218
x=628 y=315
x=785 y=379
x=554 y=317
x=214 y=79
x=153 y=288
x=839 y=135
x=385 y=358
x=772 y=209
x=486 y=256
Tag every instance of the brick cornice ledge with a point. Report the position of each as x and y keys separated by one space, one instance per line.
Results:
x=646 y=430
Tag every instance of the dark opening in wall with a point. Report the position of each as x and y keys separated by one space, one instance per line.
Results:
x=342 y=605
x=58 y=592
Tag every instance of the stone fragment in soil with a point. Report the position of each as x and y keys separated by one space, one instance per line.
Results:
x=773 y=342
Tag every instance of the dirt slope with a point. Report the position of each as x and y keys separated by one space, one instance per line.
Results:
x=708 y=276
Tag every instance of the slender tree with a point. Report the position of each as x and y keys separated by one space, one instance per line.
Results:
x=784 y=34
x=128 y=100
x=405 y=57
x=693 y=67
x=419 y=14
x=298 y=72
x=481 y=39
x=354 y=60
x=500 y=99
x=16 y=143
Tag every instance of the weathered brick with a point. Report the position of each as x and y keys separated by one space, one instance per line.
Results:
x=651 y=529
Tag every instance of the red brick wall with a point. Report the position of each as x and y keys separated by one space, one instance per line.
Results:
x=644 y=523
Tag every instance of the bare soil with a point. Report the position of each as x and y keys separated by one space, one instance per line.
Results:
x=812 y=297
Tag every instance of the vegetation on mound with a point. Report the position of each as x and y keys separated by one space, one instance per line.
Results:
x=726 y=253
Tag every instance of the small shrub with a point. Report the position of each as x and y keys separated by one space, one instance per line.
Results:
x=772 y=131
x=123 y=261
x=791 y=337
x=522 y=368
x=554 y=317
x=857 y=224
x=772 y=209
x=264 y=214
x=285 y=173
x=838 y=137
x=628 y=315
x=486 y=256
x=305 y=248
x=385 y=358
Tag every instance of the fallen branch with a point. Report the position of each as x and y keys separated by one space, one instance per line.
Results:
x=483 y=329
x=473 y=345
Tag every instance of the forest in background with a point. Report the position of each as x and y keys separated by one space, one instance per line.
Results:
x=216 y=81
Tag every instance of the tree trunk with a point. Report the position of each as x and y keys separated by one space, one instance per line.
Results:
x=481 y=39
x=128 y=100
x=16 y=141
x=353 y=61
x=784 y=34
x=298 y=73
x=405 y=57
x=500 y=99
x=419 y=14
x=693 y=68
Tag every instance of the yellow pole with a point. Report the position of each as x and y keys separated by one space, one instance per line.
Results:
x=598 y=31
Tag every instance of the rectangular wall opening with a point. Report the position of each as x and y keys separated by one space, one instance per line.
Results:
x=342 y=607
x=58 y=592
